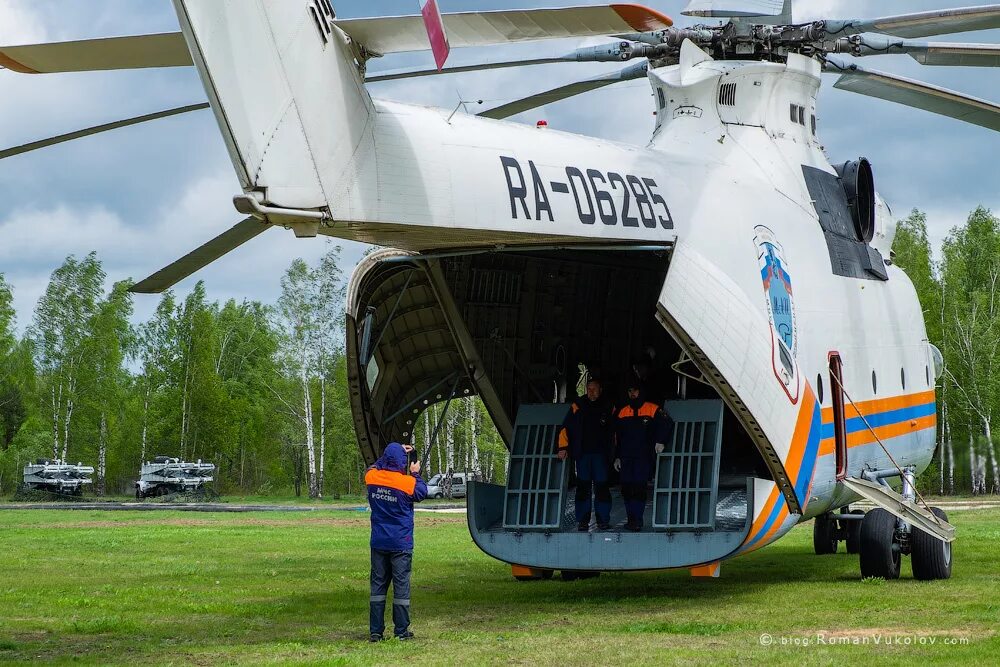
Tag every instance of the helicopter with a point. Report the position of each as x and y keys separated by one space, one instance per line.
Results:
x=755 y=274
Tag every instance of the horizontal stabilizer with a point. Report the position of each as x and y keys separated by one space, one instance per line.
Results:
x=97 y=129
x=884 y=497
x=91 y=55
x=396 y=34
x=195 y=261
x=916 y=94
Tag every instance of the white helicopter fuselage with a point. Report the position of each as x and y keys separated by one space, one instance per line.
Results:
x=752 y=292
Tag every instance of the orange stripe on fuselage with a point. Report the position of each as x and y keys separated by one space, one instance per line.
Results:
x=762 y=517
x=874 y=407
x=800 y=437
x=865 y=436
x=778 y=522
x=392 y=480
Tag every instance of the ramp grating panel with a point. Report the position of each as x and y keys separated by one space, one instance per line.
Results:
x=536 y=478
x=687 y=472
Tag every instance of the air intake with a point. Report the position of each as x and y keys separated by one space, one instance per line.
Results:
x=727 y=95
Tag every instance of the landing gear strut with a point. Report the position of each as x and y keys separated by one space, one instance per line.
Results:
x=886 y=538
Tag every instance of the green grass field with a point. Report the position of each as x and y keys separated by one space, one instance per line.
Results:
x=178 y=588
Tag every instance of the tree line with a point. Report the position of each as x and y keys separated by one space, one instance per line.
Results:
x=959 y=290
x=260 y=390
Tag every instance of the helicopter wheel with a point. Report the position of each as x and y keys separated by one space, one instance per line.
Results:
x=880 y=552
x=930 y=557
x=824 y=535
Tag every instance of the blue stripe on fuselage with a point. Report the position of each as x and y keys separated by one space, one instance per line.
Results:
x=880 y=419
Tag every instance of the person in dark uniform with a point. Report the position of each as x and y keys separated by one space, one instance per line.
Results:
x=394 y=485
x=587 y=436
x=642 y=431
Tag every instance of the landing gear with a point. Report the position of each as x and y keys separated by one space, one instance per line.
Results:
x=880 y=546
x=824 y=535
x=931 y=557
x=885 y=538
x=831 y=529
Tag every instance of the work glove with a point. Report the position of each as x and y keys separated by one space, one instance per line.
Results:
x=562 y=454
x=660 y=447
x=618 y=465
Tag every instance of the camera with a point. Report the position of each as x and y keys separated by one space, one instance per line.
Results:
x=414 y=456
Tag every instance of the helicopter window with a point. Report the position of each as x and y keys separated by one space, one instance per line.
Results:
x=795 y=113
x=902 y=377
x=819 y=388
x=802 y=116
x=927 y=374
x=874 y=383
x=663 y=99
x=814 y=124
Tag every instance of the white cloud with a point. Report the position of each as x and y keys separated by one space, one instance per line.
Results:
x=19 y=24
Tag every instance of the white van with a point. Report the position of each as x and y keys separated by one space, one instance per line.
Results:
x=437 y=486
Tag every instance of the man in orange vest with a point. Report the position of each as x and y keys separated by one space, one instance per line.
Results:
x=394 y=485
x=642 y=431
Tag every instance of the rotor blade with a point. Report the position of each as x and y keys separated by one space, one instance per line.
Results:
x=397 y=34
x=97 y=129
x=923 y=24
x=113 y=53
x=620 y=51
x=734 y=8
x=916 y=94
x=636 y=71
x=195 y=261
x=927 y=53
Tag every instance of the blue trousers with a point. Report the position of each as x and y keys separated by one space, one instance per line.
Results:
x=592 y=473
x=634 y=477
x=394 y=566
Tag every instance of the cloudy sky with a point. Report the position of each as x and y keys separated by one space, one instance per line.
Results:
x=143 y=196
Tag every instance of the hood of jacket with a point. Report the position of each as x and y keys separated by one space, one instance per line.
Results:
x=393 y=458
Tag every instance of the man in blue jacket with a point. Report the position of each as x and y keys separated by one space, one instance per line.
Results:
x=642 y=430
x=587 y=436
x=391 y=494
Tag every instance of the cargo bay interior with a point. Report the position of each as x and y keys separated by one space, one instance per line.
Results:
x=514 y=327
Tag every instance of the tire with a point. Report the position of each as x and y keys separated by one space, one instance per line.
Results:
x=930 y=557
x=879 y=559
x=853 y=528
x=824 y=535
x=438 y=496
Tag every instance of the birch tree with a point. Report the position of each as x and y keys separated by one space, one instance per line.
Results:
x=108 y=343
x=304 y=308
x=971 y=330
x=58 y=332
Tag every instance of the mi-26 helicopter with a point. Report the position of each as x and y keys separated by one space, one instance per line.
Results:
x=756 y=274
